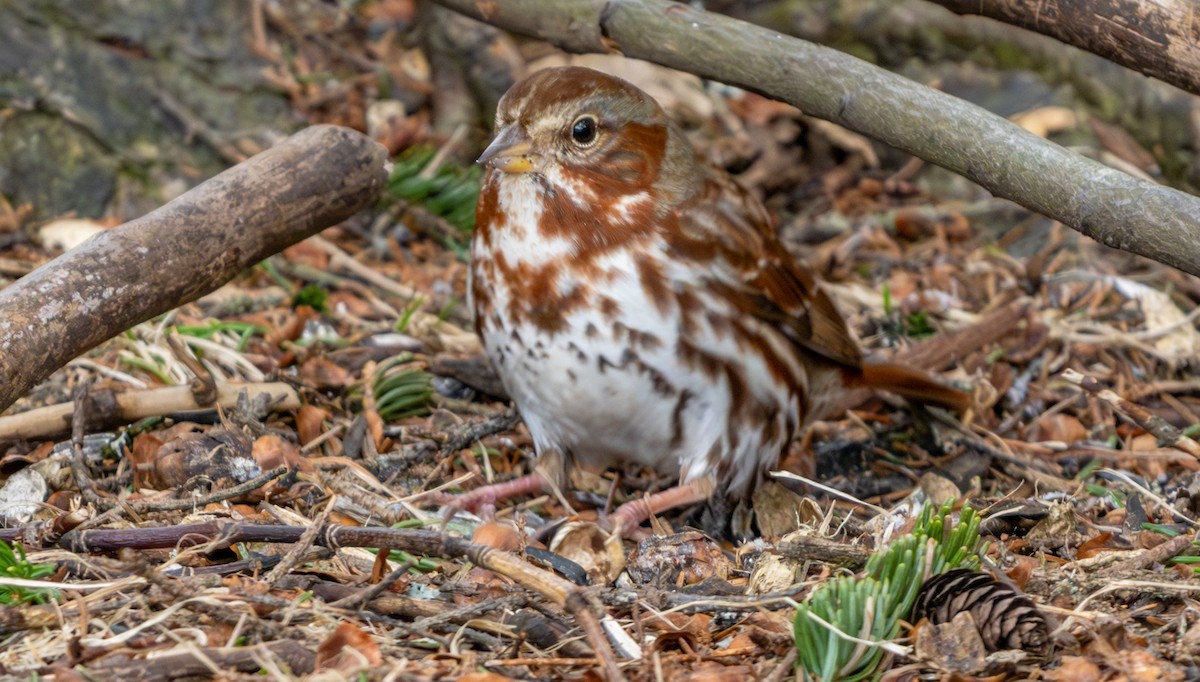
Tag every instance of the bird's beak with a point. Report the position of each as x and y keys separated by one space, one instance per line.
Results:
x=510 y=152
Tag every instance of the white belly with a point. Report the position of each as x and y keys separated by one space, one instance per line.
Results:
x=588 y=390
x=606 y=389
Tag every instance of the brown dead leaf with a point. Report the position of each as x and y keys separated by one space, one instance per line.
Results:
x=777 y=510
x=916 y=223
x=938 y=488
x=12 y=219
x=770 y=630
x=847 y=140
x=488 y=585
x=1140 y=665
x=951 y=647
x=757 y=110
x=1020 y=573
x=392 y=10
x=66 y=500
x=1121 y=144
x=1059 y=427
x=310 y=423
x=738 y=641
x=485 y=677
x=1150 y=467
x=1094 y=545
x=589 y=546
x=293 y=327
x=219 y=455
x=497 y=535
x=15 y=461
x=1146 y=442
x=1148 y=539
x=248 y=513
x=1074 y=669
x=696 y=624
x=711 y=671
x=141 y=459
x=1044 y=121
x=349 y=650
x=352 y=303
x=306 y=253
x=271 y=451
x=675 y=640
x=322 y=374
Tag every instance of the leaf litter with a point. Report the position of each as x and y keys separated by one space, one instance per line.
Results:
x=190 y=543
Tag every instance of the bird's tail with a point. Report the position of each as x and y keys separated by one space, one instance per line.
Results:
x=914 y=384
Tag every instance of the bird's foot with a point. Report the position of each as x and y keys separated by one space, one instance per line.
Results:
x=483 y=500
x=630 y=515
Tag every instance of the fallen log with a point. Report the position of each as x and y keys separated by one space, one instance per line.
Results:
x=189 y=247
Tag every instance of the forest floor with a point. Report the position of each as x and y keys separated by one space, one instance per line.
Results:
x=1089 y=503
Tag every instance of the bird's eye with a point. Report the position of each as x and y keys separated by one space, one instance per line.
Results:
x=583 y=130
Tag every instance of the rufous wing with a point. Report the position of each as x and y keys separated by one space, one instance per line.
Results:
x=805 y=311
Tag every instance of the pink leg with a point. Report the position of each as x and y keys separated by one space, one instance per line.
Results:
x=489 y=495
x=631 y=514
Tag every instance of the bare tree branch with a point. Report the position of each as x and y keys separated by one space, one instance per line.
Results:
x=1106 y=204
x=183 y=250
x=1159 y=39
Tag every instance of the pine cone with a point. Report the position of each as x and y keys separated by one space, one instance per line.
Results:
x=1006 y=618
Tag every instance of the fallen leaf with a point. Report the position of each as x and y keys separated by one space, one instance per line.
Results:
x=590 y=547
x=320 y=373
x=349 y=650
x=67 y=233
x=1059 y=427
x=310 y=423
x=1044 y=121
x=954 y=647
x=497 y=535
x=271 y=451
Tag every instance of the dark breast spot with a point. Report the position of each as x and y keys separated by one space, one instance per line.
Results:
x=685 y=396
x=609 y=308
x=654 y=283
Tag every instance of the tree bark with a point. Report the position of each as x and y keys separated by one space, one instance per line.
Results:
x=1106 y=204
x=1160 y=39
x=928 y=42
x=183 y=250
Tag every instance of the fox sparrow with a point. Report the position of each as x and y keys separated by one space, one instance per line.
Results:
x=638 y=306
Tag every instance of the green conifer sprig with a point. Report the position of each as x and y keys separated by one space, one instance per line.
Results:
x=842 y=628
x=450 y=192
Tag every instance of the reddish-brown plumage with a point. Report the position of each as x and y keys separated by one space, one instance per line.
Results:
x=636 y=301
